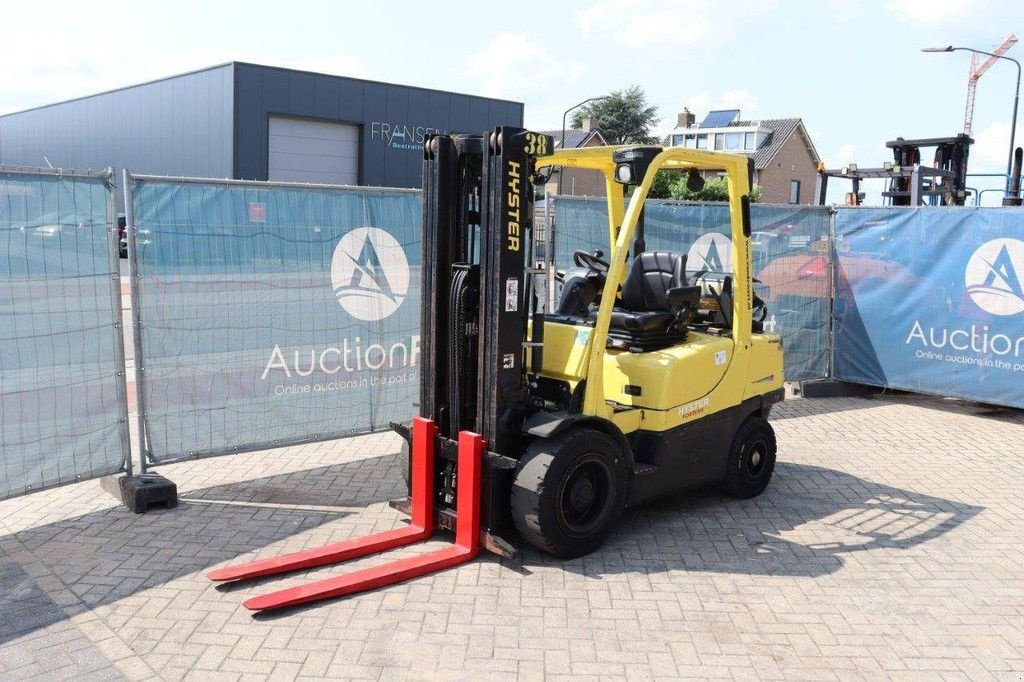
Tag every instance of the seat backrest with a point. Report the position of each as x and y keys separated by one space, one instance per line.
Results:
x=651 y=275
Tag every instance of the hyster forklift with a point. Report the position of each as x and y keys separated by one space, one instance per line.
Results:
x=545 y=417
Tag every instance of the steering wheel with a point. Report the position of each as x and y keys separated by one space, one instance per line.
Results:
x=591 y=261
x=758 y=306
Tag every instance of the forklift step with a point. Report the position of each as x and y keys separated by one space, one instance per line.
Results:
x=467 y=542
x=641 y=469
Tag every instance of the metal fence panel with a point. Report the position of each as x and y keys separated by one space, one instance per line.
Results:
x=273 y=314
x=63 y=415
x=791 y=257
x=931 y=300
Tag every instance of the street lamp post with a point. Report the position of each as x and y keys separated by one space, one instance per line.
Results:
x=564 y=116
x=1016 y=100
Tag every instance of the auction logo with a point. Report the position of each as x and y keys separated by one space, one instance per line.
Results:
x=369 y=273
x=993 y=276
x=711 y=252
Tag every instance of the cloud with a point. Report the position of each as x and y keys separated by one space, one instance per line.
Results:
x=992 y=146
x=744 y=100
x=643 y=24
x=334 y=65
x=514 y=65
x=846 y=10
x=845 y=154
x=40 y=72
x=38 y=69
x=933 y=11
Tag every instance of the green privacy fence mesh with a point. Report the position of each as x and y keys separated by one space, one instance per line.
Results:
x=63 y=414
x=273 y=314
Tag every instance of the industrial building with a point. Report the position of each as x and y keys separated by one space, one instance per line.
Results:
x=247 y=121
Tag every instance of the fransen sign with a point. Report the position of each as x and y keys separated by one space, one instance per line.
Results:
x=370 y=280
x=400 y=135
x=992 y=280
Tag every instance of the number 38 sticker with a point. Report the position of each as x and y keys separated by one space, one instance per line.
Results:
x=536 y=144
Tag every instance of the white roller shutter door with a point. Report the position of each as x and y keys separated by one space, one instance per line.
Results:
x=318 y=152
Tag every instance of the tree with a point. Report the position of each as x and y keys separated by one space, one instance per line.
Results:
x=624 y=118
x=716 y=189
x=661 y=188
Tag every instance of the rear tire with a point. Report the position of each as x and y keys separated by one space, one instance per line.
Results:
x=569 y=491
x=751 y=459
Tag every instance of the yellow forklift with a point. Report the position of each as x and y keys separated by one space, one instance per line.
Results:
x=544 y=415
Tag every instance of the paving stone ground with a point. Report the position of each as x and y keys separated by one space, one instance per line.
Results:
x=890 y=544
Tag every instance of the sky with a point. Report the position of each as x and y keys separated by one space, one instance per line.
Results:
x=851 y=69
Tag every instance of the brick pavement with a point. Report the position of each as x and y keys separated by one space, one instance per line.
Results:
x=889 y=545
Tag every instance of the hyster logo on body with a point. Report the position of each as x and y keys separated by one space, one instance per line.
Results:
x=695 y=407
x=993 y=276
x=712 y=252
x=369 y=273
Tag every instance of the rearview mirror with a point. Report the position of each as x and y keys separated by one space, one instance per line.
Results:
x=694 y=180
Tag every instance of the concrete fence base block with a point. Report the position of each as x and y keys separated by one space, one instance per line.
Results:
x=139 y=493
x=830 y=388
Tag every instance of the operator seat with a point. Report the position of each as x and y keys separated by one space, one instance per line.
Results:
x=657 y=303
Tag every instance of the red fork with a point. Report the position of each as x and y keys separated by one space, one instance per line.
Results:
x=466 y=547
x=420 y=528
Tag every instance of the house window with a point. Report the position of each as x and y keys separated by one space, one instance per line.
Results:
x=677 y=140
x=702 y=142
x=733 y=141
x=749 y=140
x=719 y=141
x=794 y=191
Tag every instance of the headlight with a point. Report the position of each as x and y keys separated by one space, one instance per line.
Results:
x=623 y=174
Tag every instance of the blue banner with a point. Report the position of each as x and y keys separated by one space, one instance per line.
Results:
x=931 y=300
x=273 y=314
x=63 y=417
x=791 y=258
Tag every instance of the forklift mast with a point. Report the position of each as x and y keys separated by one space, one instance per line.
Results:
x=949 y=185
x=478 y=217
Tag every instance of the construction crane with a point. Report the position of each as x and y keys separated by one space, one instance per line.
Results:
x=975 y=74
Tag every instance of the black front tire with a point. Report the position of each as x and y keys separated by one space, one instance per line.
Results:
x=569 y=491
x=751 y=459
